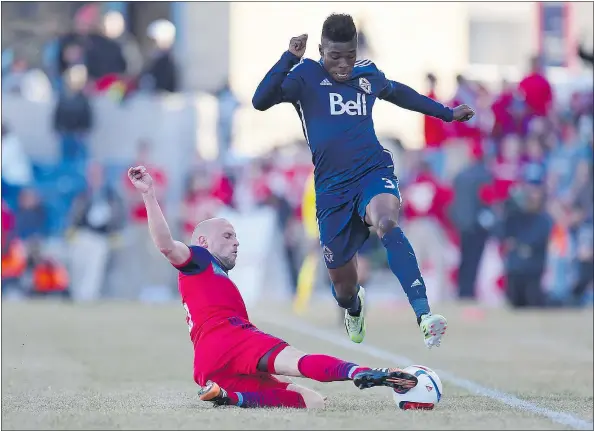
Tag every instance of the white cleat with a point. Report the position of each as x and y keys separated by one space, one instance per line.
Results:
x=433 y=327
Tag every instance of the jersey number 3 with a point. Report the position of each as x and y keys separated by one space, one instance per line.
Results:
x=389 y=183
x=188 y=318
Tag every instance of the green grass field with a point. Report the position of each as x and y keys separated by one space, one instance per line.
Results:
x=129 y=366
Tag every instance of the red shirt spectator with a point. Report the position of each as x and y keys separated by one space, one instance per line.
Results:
x=435 y=129
x=435 y=132
x=8 y=228
x=506 y=120
x=505 y=175
x=200 y=202
x=7 y=218
x=222 y=189
x=295 y=177
x=196 y=207
x=137 y=208
x=143 y=157
x=260 y=189
x=425 y=196
x=506 y=171
x=466 y=94
x=537 y=90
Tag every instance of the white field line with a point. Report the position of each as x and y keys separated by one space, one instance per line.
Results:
x=302 y=327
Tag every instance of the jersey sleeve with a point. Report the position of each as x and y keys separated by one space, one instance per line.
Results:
x=200 y=258
x=405 y=97
x=293 y=84
x=282 y=83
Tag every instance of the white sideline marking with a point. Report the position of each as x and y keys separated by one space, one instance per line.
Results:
x=300 y=326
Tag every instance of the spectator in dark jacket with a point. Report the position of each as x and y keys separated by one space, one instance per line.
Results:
x=160 y=73
x=88 y=45
x=73 y=116
x=525 y=232
x=472 y=220
x=114 y=27
x=104 y=57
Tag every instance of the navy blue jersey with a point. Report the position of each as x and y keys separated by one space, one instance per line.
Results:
x=337 y=116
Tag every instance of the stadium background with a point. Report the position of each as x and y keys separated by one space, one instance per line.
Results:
x=173 y=91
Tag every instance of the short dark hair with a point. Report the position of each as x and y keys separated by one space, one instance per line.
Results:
x=339 y=27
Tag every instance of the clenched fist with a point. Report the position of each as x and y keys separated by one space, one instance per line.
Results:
x=297 y=45
x=141 y=179
x=463 y=113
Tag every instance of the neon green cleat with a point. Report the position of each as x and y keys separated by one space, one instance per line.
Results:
x=433 y=327
x=355 y=325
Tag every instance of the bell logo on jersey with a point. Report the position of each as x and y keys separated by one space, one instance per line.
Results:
x=351 y=107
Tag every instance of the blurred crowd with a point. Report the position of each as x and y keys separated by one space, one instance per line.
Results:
x=43 y=199
x=515 y=183
x=526 y=187
x=77 y=221
x=99 y=55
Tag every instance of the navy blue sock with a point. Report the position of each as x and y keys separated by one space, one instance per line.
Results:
x=352 y=304
x=404 y=265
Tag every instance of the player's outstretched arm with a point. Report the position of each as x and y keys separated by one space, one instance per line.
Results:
x=176 y=252
x=276 y=87
x=407 y=98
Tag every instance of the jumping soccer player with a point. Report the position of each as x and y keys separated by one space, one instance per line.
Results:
x=354 y=175
x=230 y=352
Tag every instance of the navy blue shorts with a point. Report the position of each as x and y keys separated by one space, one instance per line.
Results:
x=341 y=217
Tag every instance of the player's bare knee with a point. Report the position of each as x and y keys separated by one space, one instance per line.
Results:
x=386 y=223
x=287 y=362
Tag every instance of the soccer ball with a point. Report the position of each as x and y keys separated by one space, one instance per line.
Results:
x=425 y=395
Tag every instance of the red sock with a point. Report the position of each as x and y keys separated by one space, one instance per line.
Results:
x=268 y=398
x=325 y=368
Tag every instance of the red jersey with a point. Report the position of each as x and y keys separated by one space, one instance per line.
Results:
x=208 y=294
x=217 y=318
x=225 y=341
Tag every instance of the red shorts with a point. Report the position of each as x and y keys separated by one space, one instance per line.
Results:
x=233 y=351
